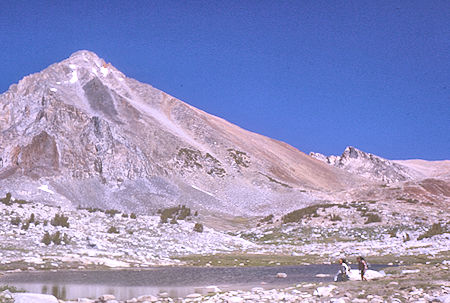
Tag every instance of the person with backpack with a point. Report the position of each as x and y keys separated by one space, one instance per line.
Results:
x=362 y=266
x=343 y=272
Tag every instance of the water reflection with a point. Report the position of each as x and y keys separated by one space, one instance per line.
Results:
x=73 y=291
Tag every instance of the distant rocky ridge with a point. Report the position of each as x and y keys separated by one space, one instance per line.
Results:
x=369 y=166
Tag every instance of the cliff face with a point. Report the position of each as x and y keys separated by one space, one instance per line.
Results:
x=98 y=138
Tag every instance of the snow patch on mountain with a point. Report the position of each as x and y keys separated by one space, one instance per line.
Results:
x=74 y=77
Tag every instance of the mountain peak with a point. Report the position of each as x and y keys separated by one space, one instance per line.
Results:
x=86 y=59
x=85 y=54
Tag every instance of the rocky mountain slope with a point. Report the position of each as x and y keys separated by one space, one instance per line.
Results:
x=80 y=132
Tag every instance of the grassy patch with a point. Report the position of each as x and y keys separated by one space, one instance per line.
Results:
x=11 y=288
x=276 y=181
x=232 y=260
x=268 y=219
x=180 y=212
x=239 y=157
x=190 y=157
x=435 y=229
x=307 y=212
x=372 y=218
x=408 y=200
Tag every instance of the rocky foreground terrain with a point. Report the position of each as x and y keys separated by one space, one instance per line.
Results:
x=99 y=171
x=100 y=239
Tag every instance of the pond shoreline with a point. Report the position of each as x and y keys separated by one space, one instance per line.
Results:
x=176 y=281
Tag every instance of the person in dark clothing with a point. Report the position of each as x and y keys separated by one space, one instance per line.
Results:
x=362 y=266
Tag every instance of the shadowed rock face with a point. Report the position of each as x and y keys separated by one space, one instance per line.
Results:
x=98 y=138
x=99 y=97
x=40 y=157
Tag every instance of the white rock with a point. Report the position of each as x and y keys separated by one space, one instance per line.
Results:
x=235 y=300
x=444 y=298
x=193 y=296
x=163 y=295
x=212 y=289
x=105 y=298
x=148 y=298
x=33 y=298
x=355 y=275
x=257 y=289
x=410 y=271
x=281 y=275
x=324 y=291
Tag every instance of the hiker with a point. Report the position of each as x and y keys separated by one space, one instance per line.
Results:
x=343 y=272
x=362 y=266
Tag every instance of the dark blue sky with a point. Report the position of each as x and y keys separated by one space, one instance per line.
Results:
x=319 y=75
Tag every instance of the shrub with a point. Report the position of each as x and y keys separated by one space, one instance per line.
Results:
x=180 y=212
x=372 y=218
x=20 y=202
x=393 y=232
x=66 y=239
x=335 y=218
x=10 y=288
x=198 y=227
x=56 y=238
x=112 y=230
x=307 y=212
x=183 y=212
x=7 y=199
x=32 y=218
x=15 y=221
x=25 y=225
x=435 y=229
x=112 y=212
x=133 y=216
x=60 y=220
x=93 y=209
x=268 y=219
x=124 y=215
x=47 y=239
